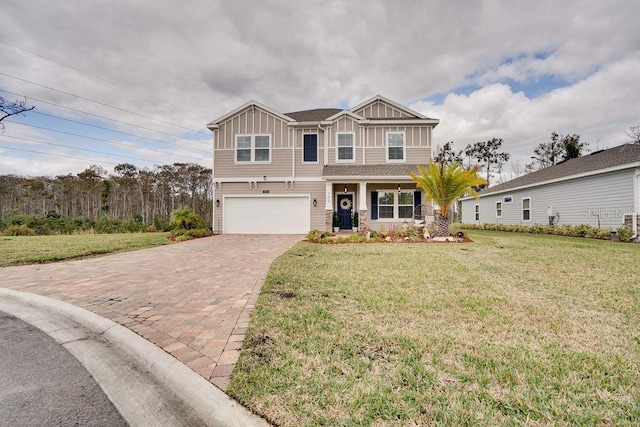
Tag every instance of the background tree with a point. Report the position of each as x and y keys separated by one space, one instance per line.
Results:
x=446 y=155
x=12 y=108
x=634 y=134
x=572 y=146
x=489 y=156
x=444 y=184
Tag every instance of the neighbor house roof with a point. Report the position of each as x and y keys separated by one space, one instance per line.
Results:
x=378 y=171
x=315 y=115
x=619 y=157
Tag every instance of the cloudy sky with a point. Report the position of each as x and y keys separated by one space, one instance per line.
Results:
x=136 y=81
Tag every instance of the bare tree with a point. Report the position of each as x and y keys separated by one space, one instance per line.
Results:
x=634 y=134
x=12 y=108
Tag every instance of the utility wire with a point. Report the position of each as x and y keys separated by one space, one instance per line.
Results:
x=102 y=117
x=57 y=155
x=77 y=70
x=101 y=139
x=100 y=103
x=76 y=148
x=117 y=131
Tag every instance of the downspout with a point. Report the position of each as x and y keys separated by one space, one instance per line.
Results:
x=636 y=203
x=293 y=160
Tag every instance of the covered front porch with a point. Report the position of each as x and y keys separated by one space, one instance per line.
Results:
x=375 y=201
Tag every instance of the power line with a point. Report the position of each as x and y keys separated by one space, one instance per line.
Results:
x=56 y=155
x=76 y=148
x=117 y=131
x=101 y=139
x=111 y=82
x=102 y=117
x=100 y=103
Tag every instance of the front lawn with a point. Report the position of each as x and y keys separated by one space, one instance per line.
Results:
x=16 y=250
x=512 y=329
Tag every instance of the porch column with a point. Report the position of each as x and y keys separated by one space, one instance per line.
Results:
x=362 y=204
x=328 y=206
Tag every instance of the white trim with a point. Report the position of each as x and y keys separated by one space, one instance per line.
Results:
x=522 y=209
x=243 y=179
x=404 y=146
x=338 y=115
x=353 y=146
x=636 y=202
x=396 y=204
x=317 y=149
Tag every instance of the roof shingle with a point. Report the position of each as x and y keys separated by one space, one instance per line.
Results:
x=369 y=171
x=616 y=156
x=315 y=115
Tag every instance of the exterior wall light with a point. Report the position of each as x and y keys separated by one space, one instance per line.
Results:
x=399 y=188
x=315 y=203
x=217 y=203
x=346 y=189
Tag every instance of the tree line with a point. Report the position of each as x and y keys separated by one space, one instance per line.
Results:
x=143 y=195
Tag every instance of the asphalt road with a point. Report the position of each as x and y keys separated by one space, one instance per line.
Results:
x=42 y=384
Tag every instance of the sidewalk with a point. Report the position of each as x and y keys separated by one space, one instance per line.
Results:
x=192 y=299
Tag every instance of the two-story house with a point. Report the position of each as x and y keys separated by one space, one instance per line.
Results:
x=287 y=173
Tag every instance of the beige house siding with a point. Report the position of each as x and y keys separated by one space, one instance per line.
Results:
x=382 y=110
x=306 y=169
x=252 y=121
x=224 y=165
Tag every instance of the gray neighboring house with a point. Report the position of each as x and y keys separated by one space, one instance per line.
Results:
x=601 y=189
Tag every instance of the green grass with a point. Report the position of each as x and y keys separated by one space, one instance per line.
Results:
x=510 y=330
x=40 y=249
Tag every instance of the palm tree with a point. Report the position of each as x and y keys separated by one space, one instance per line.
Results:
x=185 y=218
x=444 y=185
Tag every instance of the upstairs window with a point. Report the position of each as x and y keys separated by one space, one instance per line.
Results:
x=498 y=209
x=395 y=147
x=310 y=148
x=345 y=147
x=253 y=148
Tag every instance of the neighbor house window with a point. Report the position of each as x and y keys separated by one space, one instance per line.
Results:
x=310 y=148
x=507 y=199
x=477 y=212
x=346 y=147
x=395 y=146
x=253 y=148
x=498 y=209
x=394 y=205
x=526 y=209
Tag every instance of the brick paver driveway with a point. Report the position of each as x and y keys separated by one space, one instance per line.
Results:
x=193 y=299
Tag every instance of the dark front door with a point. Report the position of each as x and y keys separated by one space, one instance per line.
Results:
x=345 y=208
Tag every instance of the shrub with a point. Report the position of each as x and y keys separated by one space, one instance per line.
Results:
x=625 y=234
x=580 y=230
x=19 y=230
x=181 y=234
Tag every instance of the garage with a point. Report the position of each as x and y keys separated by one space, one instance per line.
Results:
x=266 y=214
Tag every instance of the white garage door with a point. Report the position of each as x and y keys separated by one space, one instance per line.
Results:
x=266 y=214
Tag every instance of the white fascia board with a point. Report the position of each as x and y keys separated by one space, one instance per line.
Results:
x=408 y=121
x=344 y=112
x=565 y=178
x=369 y=179
x=215 y=123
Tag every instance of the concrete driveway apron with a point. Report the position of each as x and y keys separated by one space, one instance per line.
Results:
x=193 y=299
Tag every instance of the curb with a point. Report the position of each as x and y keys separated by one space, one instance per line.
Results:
x=211 y=405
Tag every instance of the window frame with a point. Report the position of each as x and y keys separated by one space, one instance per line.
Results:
x=404 y=146
x=476 y=212
x=499 y=209
x=396 y=205
x=353 y=147
x=507 y=200
x=252 y=148
x=317 y=149
x=528 y=210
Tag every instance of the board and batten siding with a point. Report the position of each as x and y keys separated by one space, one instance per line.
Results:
x=382 y=110
x=599 y=200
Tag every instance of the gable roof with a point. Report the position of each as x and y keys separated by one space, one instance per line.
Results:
x=215 y=123
x=377 y=98
x=315 y=115
x=620 y=157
